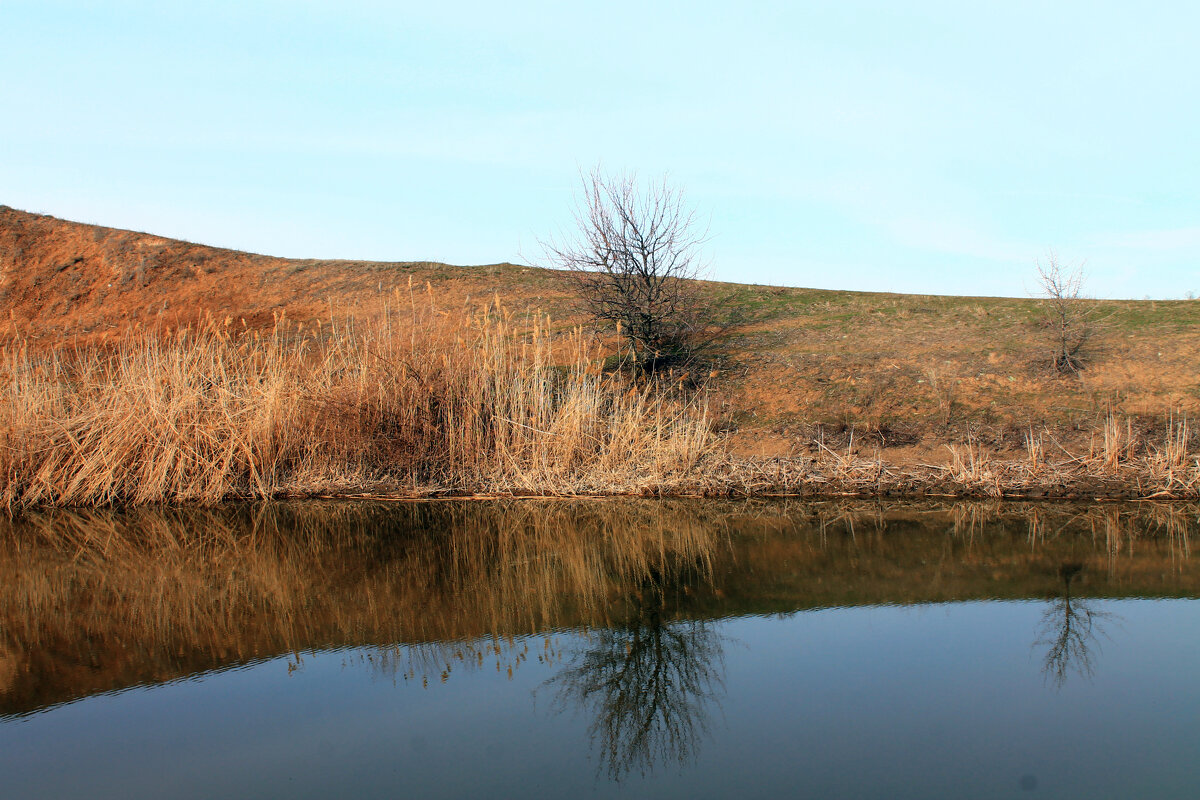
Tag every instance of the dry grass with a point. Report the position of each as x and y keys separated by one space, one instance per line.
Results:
x=1121 y=463
x=426 y=402
x=465 y=402
x=912 y=372
x=971 y=465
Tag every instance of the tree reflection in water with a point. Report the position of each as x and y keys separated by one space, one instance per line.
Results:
x=1069 y=631
x=648 y=684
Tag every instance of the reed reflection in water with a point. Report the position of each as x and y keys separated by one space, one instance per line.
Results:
x=98 y=600
x=686 y=647
x=93 y=601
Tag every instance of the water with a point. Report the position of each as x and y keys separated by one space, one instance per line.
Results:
x=602 y=649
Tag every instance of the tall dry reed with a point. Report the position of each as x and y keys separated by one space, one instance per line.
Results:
x=475 y=402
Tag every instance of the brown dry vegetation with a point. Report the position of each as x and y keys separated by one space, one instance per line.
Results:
x=457 y=403
x=857 y=390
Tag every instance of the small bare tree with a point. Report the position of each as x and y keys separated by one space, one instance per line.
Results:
x=636 y=259
x=1071 y=317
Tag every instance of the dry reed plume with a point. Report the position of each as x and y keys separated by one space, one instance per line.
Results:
x=429 y=404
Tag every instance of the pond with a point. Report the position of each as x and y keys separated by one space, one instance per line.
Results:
x=601 y=648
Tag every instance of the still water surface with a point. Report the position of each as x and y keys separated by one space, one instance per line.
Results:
x=602 y=649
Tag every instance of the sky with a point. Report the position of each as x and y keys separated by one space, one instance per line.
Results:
x=930 y=147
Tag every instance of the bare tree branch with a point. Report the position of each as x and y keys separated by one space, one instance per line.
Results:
x=636 y=259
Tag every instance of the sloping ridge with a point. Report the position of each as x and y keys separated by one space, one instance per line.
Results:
x=62 y=281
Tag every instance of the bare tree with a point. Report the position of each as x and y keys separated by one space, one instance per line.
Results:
x=636 y=259
x=1071 y=316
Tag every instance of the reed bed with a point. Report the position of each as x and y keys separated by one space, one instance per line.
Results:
x=419 y=403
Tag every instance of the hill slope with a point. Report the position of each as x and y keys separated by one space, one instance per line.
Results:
x=904 y=372
x=67 y=280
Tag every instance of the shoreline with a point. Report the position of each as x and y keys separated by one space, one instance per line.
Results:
x=864 y=479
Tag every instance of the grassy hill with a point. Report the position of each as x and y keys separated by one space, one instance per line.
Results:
x=902 y=373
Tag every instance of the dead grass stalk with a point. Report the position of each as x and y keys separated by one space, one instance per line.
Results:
x=445 y=402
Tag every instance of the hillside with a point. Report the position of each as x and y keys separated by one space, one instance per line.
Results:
x=905 y=373
x=65 y=280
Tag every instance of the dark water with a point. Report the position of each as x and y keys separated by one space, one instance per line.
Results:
x=678 y=649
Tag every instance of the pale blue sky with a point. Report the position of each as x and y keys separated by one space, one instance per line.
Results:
x=920 y=146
